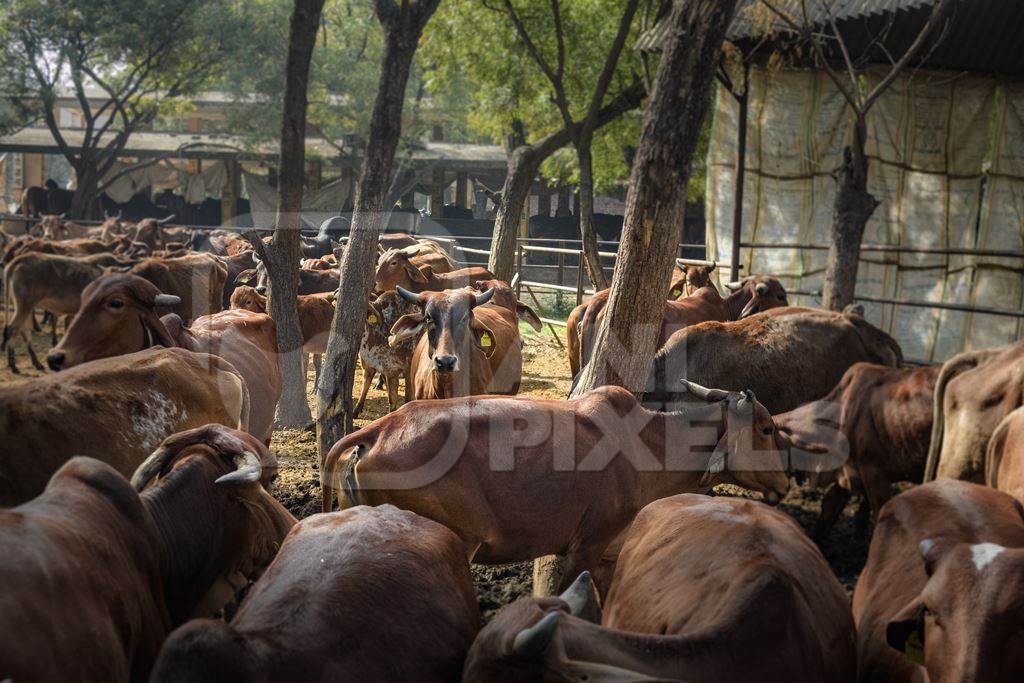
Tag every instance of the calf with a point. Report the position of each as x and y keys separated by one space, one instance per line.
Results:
x=940 y=596
x=519 y=478
x=119 y=315
x=466 y=347
x=410 y=573
x=870 y=432
x=116 y=409
x=197 y=280
x=1004 y=459
x=975 y=391
x=51 y=282
x=96 y=574
x=376 y=355
x=705 y=590
x=399 y=270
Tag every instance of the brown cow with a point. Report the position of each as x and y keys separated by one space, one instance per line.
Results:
x=1004 y=458
x=50 y=282
x=790 y=356
x=316 y=314
x=940 y=598
x=975 y=391
x=310 y=281
x=54 y=227
x=419 y=618
x=118 y=316
x=117 y=410
x=150 y=232
x=96 y=574
x=705 y=590
x=874 y=428
x=376 y=355
x=687 y=281
x=400 y=270
x=196 y=279
x=752 y=295
x=393 y=265
x=520 y=478
x=466 y=348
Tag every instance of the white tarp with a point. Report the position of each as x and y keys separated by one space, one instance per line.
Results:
x=164 y=175
x=319 y=204
x=947 y=165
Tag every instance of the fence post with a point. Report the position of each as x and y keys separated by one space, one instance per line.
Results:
x=561 y=264
x=579 y=279
x=519 y=267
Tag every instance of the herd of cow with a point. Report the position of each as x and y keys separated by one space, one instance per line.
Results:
x=140 y=541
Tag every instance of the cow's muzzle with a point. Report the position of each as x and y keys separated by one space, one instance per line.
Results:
x=55 y=359
x=446 y=363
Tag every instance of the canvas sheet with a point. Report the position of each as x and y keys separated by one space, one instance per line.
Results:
x=947 y=164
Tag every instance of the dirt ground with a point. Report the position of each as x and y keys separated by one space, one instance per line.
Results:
x=546 y=374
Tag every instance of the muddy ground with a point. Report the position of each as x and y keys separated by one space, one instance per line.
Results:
x=546 y=374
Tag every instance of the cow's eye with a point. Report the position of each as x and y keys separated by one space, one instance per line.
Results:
x=115 y=304
x=767 y=431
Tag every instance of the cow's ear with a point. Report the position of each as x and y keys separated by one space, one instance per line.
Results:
x=408 y=326
x=528 y=316
x=417 y=275
x=485 y=339
x=373 y=315
x=246 y=277
x=905 y=631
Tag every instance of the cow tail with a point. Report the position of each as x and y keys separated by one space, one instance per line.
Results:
x=951 y=369
x=340 y=479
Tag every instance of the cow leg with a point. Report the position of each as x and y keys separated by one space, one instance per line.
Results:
x=547 y=575
x=32 y=352
x=35 y=323
x=832 y=504
x=317 y=360
x=392 y=381
x=10 y=360
x=53 y=330
x=368 y=374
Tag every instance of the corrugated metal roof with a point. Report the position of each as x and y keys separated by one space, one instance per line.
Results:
x=481 y=158
x=983 y=35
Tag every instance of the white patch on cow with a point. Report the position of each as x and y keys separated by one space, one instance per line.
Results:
x=925 y=546
x=984 y=553
x=721 y=511
x=157 y=418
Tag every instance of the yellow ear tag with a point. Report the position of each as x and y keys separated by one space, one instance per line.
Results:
x=485 y=340
x=676 y=293
x=371 y=318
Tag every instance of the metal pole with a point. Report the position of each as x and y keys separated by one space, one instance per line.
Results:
x=579 y=279
x=741 y=172
x=519 y=268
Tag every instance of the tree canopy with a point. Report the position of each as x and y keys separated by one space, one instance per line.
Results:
x=475 y=45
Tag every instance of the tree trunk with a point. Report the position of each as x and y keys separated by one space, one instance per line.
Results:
x=523 y=164
x=402 y=29
x=85 y=204
x=627 y=338
x=283 y=254
x=586 y=214
x=853 y=209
